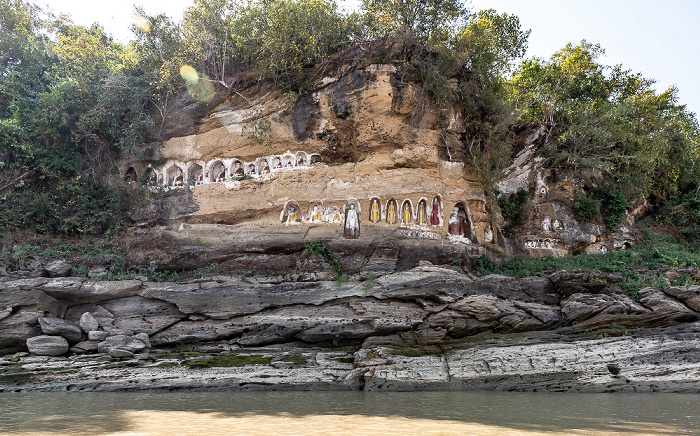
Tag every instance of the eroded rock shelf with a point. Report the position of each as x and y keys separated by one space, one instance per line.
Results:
x=426 y=328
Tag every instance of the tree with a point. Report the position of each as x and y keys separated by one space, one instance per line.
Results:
x=428 y=21
x=606 y=122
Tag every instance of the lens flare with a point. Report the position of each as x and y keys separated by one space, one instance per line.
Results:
x=198 y=85
x=189 y=74
x=142 y=23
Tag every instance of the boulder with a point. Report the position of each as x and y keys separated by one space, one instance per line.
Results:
x=18 y=296
x=119 y=353
x=142 y=315
x=58 y=268
x=88 y=322
x=79 y=290
x=143 y=337
x=97 y=271
x=84 y=347
x=47 y=345
x=95 y=335
x=580 y=307
x=13 y=334
x=104 y=317
x=120 y=342
x=690 y=295
x=60 y=327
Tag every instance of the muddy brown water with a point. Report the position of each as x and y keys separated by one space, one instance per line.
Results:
x=348 y=413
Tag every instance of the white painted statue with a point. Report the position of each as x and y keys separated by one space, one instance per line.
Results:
x=546 y=224
x=352 y=223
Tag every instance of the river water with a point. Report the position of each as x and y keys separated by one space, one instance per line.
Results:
x=348 y=413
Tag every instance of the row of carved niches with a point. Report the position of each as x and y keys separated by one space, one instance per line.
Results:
x=426 y=214
x=196 y=172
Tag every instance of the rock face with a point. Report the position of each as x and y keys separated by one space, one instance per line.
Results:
x=365 y=136
x=424 y=305
x=425 y=328
x=47 y=345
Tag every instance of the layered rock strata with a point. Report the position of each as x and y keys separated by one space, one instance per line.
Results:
x=429 y=327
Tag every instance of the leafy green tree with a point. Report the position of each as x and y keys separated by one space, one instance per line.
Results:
x=427 y=21
x=606 y=122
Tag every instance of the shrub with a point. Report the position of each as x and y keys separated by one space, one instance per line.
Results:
x=585 y=208
x=614 y=206
x=513 y=207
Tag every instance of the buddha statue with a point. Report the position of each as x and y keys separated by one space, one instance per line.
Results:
x=352 y=223
x=435 y=215
x=374 y=211
x=406 y=215
x=420 y=215
x=391 y=212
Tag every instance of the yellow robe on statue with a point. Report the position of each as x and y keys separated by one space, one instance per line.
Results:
x=406 y=214
x=391 y=213
x=316 y=217
x=374 y=214
x=292 y=217
x=421 y=213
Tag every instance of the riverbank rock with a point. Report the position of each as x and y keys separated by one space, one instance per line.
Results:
x=47 y=345
x=58 y=268
x=121 y=346
x=88 y=322
x=60 y=327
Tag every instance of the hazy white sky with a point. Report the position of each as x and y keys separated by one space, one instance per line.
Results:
x=658 y=38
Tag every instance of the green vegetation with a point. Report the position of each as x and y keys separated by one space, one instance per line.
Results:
x=513 y=207
x=656 y=252
x=322 y=249
x=295 y=359
x=73 y=103
x=224 y=360
x=586 y=208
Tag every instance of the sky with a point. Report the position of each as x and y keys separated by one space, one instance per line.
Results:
x=658 y=38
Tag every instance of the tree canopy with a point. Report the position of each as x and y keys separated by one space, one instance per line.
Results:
x=73 y=101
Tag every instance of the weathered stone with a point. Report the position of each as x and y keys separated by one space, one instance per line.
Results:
x=659 y=302
x=121 y=342
x=84 y=347
x=245 y=298
x=549 y=315
x=102 y=315
x=58 y=268
x=80 y=291
x=60 y=327
x=16 y=333
x=18 y=297
x=690 y=295
x=119 y=353
x=580 y=307
x=457 y=324
x=4 y=313
x=576 y=282
x=143 y=337
x=88 y=322
x=142 y=315
x=97 y=271
x=47 y=345
x=495 y=311
x=382 y=262
x=97 y=335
